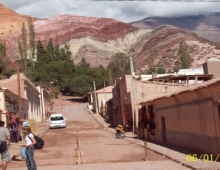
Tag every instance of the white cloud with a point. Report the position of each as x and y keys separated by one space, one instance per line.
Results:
x=125 y=11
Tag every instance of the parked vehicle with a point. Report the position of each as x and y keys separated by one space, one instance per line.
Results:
x=89 y=107
x=57 y=120
x=120 y=133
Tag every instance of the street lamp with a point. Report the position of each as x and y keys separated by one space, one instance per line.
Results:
x=34 y=60
x=52 y=89
x=53 y=82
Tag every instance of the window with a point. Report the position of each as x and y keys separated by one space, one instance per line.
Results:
x=56 y=118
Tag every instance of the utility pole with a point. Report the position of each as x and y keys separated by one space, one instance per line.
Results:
x=156 y=70
x=19 y=90
x=105 y=101
x=95 y=100
x=135 y=103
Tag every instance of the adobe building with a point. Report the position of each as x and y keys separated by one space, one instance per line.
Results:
x=9 y=103
x=212 y=66
x=45 y=103
x=99 y=98
x=188 y=118
x=27 y=91
x=9 y=111
x=122 y=101
x=126 y=109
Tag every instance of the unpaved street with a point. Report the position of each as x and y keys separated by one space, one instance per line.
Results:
x=99 y=145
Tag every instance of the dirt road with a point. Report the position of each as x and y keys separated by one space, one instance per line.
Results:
x=100 y=146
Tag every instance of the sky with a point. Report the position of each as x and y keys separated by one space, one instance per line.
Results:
x=125 y=11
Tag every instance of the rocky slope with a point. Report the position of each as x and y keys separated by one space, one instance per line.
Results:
x=162 y=45
x=10 y=21
x=206 y=26
x=97 y=39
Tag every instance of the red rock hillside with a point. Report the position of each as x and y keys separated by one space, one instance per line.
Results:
x=97 y=39
x=10 y=21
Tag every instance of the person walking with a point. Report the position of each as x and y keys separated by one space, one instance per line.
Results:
x=30 y=141
x=4 y=143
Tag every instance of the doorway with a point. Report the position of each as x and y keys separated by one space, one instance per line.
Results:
x=163 y=126
x=219 y=112
x=128 y=118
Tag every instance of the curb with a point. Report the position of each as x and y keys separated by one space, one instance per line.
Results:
x=160 y=153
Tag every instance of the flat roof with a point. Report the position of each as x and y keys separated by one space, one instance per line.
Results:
x=192 y=77
x=188 y=89
x=167 y=77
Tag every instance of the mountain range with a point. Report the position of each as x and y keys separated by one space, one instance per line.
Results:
x=206 y=26
x=98 y=39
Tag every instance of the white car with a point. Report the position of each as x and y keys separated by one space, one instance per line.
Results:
x=57 y=120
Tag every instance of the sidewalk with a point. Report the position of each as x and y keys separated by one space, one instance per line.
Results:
x=175 y=156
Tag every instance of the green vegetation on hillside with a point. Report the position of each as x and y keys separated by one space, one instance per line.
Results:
x=118 y=67
x=6 y=70
x=182 y=61
x=52 y=67
x=158 y=68
x=185 y=59
x=2 y=49
x=55 y=69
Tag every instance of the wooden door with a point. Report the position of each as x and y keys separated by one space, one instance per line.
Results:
x=163 y=126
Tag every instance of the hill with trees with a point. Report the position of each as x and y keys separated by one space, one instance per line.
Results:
x=70 y=52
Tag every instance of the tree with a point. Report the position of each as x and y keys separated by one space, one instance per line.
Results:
x=110 y=79
x=63 y=53
x=83 y=63
x=22 y=46
x=31 y=38
x=2 y=49
x=57 y=52
x=185 y=59
x=119 y=65
x=5 y=69
x=50 y=51
x=24 y=41
x=150 y=61
x=21 y=61
x=69 y=78
x=20 y=49
x=67 y=52
x=41 y=54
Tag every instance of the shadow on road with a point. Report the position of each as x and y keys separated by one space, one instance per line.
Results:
x=77 y=99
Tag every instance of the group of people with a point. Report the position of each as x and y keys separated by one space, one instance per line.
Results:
x=5 y=138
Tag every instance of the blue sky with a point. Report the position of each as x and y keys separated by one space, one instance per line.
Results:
x=125 y=11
